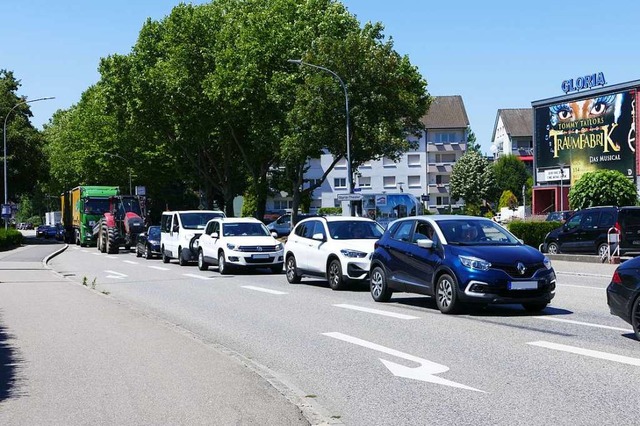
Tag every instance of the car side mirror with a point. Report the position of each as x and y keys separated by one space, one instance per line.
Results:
x=425 y=243
x=319 y=236
x=215 y=235
x=274 y=234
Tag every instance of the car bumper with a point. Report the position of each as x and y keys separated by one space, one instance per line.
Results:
x=356 y=268
x=500 y=288
x=258 y=259
x=620 y=299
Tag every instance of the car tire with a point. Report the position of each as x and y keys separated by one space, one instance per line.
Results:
x=635 y=317
x=165 y=258
x=223 y=269
x=202 y=265
x=552 y=248
x=603 y=249
x=378 y=285
x=334 y=275
x=147 y=252
x=291 y=270
x=182 y=261
x=535 y=306
x=447 y=294
x=138 y=254
x=276 y=269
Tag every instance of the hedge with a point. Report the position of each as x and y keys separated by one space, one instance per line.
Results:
x=532 y=233
x=330 y=211
x=10 y=238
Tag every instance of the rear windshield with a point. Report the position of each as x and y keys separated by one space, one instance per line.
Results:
x=630 y=217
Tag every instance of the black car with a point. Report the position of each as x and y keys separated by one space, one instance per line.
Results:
x=148 y=243
x=623 y=293
x=588 y=231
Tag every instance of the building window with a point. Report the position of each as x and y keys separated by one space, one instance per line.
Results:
x=282 y=204
x=442 y=179
x=413 y=159
x=389 y=181
x=339 y=183
x=446 y=137
x=364 y=181
x=442 y=201
x=387 y=162
x=311 y=182
x=445 y=158
x=413 y=181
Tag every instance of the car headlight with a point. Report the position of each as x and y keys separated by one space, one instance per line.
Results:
x=547 y=262
x=352 y=253
x=231 y=246
x=279 y=246
x=475 y=263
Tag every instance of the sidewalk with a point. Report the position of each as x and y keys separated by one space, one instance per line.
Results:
x=70 y=355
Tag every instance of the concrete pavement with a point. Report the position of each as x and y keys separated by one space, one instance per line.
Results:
x=71 y=355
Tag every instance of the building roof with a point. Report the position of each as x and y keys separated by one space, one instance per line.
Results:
x=446 y=112
x=518 y=122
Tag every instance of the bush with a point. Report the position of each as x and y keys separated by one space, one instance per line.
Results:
x=10 y=238
x=603 y=188
x=532 y=233
x=330 y=211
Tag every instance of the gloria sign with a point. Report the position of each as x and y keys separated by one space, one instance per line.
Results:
x=586 y=82
x=588 y=134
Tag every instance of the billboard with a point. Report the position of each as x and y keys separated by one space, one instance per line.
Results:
x=588 y=134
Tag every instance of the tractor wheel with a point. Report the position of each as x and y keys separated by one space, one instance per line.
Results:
x=112 y=241
x=102 y=240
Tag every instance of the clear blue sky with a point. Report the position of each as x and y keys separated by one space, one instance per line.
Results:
x=497 y=54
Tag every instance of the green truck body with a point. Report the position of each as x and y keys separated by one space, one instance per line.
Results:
x=82 y=208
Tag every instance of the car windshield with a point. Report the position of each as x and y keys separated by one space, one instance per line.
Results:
x=154 y=233
x=130 y=204
x=475 y=232
x=244 y=229
x=197 y=220
x=355 y=230
x=96 y=205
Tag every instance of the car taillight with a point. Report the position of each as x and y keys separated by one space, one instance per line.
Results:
x=616 y=278
x=618 y=228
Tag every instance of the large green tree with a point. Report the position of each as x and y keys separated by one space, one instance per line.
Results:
x=472 y=179
x=511 y=174
x=603 y=188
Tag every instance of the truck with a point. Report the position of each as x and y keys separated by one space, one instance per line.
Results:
x=52 y=218
x=82 y=207
x=120 y=225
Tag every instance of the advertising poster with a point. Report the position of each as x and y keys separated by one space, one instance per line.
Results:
x=588 y=134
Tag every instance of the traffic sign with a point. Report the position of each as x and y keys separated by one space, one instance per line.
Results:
x=424 y=197
x=357 y=189
x=349 y=197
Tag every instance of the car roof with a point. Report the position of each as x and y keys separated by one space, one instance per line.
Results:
x=192 y=211
x=238 y=219
x=339 y=218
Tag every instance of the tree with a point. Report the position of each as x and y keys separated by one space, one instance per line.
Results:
x=472 y=144
x=507 y=199
x=511 y=174
x=603 y=188
x=472 y=179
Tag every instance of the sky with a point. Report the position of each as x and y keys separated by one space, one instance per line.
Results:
x=494 y=54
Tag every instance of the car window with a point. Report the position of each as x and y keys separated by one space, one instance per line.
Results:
x=575 y=220
x=216 y=227
x=354 y=230
x=590 y=219
x=403 y=233
x=424 y=230
x=475 y=231
x=154 y=232
x=166 y=223
x=309 y=229
x=299 y=231
x=244 y=229
x=629 y=217
x=209 y=229
x=606 y=219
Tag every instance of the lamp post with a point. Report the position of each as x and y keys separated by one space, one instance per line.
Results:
x=4 y=132
x=561 y=186
x=125 y=160
x=346 y=101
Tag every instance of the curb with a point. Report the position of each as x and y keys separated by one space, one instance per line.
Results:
x=52 y=255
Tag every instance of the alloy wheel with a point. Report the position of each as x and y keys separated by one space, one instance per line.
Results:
x=376 y=284
x=445 y=293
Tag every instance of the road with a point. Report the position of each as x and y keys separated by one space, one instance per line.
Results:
x=402 y=362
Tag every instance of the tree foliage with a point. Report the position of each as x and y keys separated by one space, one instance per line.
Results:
x=603 y=188
x=472 y=143
x=509 y=200
x=472 y=179
x=511 y=174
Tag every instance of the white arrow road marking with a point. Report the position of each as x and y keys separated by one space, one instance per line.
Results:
x=264 y=290
x=116 y=275
x=200 y=277
x=376 y=311
x=588 y=324
x=588 y=352
x=130 y=262
x=425 y=372
x=159 y=268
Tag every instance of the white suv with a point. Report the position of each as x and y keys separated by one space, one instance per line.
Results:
x=239 y=242
x=337 y=248
x=180 y=230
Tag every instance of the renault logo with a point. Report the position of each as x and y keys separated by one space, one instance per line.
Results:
x=521 y=268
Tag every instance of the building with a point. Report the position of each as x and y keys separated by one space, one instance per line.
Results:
x=513 y=135
x=423 y=172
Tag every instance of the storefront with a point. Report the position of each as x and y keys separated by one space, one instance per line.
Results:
x=582 y=132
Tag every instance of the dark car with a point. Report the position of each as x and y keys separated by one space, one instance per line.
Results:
x=623 y=293
x=459 y=260
x=40 y=230
x=50 y=231
x=148 y=243
x=588 y=231
x=560 y=216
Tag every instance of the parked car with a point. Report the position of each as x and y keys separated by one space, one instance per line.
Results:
x=282 y=225
x=623 y=293
x=272 y=215
x=40 y=230
x=60 y=232
x=50 y=231
x=179 y=231
x=148 y=243
x=587 y=231
x=233 y=243
x=336 y=248
x=460 y=260
x=559 y=216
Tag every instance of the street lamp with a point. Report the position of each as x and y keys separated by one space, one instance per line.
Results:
x=4 y=132
x=346 y=100
x=125 y=160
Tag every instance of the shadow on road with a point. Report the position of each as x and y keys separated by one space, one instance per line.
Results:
x=8 y=365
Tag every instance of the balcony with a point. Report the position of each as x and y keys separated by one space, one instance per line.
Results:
x=446 y=147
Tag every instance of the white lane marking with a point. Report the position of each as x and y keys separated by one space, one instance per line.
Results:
x=582 y=286
x=583 y=274
x=425 y=372
x=112 y=257
x=130 y=262
x=116 y=275
x=588 y=324
x=588 y=352
x=200 y=277
x=75 y=248
x=376 y=311
x=96 y=253
x=264 y=290
x=85 y=251
x=159 y=268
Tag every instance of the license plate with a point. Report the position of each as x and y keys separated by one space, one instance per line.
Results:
x=523 y=285
x=260 y=256
x=636 y=243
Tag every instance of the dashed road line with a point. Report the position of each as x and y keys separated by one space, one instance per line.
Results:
x=200 y=277
x=131 y=262
x=159 y=268
x=581 y=286
x=588 y=352
x=264 y=290
x=96 y=253
x=377 y=312
x=588 y=324
x=112 y=257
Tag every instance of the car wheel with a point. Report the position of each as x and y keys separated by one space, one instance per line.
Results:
x=222 y=264
x=202 y=265
x=182 y=260
x=165 y=258
x=138 y=254
x=635 y=318
x=276 y=269
x=603 y=250
x=147 y=252
x=447 y=294
x=292 y=274
x=378 y=285
x=553 y=248
x=535 y=307
x=334 y=275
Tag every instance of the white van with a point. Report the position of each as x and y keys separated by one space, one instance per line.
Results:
x=179 y=233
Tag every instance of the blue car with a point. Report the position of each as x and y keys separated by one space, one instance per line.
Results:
x=460 y=260
x=148 y=243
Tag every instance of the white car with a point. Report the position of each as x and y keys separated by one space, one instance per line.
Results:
x=179 y=232
x=337 y=248
x=239 y=242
